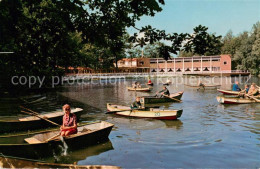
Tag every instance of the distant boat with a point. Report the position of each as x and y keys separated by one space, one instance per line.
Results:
x=206 y=86
x=139 y=89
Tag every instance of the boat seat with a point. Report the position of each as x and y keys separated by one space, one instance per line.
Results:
x=32 y=140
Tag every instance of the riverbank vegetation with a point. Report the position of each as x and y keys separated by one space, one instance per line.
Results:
x=49 y=36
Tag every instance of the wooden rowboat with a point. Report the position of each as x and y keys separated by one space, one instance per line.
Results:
x=206 y=86
x=233 y=100
x=32 y=122
x=139 y=89
x=228 y=92
x=40 y=146
x=16 y=162
x=152 y=113
x=153 y=99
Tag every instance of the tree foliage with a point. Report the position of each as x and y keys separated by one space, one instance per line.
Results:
x=244 y=49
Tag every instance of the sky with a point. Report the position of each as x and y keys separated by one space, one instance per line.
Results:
x=219 y=16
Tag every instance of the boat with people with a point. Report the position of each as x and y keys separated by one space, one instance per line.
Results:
x=174 y=97
x=146 y=89
x=35 y=121
x=45 y=144
x=204 y=86
x=233 y=100
x=228 y=92
x=153 y=113
x=18 y=162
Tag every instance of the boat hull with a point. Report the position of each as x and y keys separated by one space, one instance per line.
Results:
x=152 y=99
x=228 y=92
x=227 y=100
x=206 y=86
x=43 y=149
x=154 y=114
x=139 y=89
x=17 y=125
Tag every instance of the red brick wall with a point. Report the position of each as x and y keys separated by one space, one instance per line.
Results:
x=227 y=60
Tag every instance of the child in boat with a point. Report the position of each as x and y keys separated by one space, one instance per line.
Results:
x=137 y=104
x=149 y=81
x=69 y=125
x=236 y=87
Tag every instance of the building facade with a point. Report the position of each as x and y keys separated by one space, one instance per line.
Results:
x=198 y=64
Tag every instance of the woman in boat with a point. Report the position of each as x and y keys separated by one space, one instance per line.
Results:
x=69 y=125
x=236 y=87
x=137 y=104
x=164 y=92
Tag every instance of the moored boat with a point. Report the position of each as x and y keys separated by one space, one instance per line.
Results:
x=228 y=92
x=151 y=113
x=46 y=144
x=232 y=100
x=32 y=122
x=139 y=89
x=17 y=162
x=174 y=97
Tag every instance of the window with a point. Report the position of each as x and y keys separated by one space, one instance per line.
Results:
x=141 y=63
x=225 y=63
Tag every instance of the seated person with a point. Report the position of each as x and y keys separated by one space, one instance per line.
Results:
x=135 y=85
x=163 y=92
x=69 y=124
x=200 y=84
x=253 y=91
x=236 y=87
x=136 y=104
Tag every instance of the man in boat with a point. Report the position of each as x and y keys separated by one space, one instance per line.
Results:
x=136 y=104
x=236 y=87
x=200 y=84
x=69 y=125
x=253 y=91
x=164 y=92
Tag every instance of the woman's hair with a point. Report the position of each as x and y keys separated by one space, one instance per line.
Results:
x=65 y=106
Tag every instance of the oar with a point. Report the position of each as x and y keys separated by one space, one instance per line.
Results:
x=252 y=97
x=112 y=112
x=52 y=137
x=40 y=117
x=172 y=98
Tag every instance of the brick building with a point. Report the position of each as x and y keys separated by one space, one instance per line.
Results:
x=185 y=64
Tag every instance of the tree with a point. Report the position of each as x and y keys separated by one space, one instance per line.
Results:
x=203 y=43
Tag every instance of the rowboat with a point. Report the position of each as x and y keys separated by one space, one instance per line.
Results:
x=228 y=92
x=46 y=144
x=205 y=86
x=32 y=122
x=152 y=113
x=233 y=100
x=139 y=89
x=153 y=99
x=16 y=162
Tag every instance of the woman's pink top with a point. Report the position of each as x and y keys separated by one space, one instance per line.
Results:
x=68 y=121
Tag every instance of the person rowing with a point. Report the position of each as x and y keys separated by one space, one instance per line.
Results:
x=235 y=87
x=200 y=84
x=244 y=91
x=136 y=104
x=69 y=124
x=164 y=92
x=253 y=91
x=136 y=85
